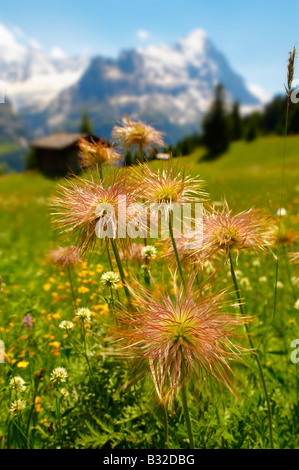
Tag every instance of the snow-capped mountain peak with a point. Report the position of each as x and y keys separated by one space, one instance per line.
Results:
x=170 y=84
x=195 y=43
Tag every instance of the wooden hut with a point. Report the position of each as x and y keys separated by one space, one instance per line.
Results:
x=57 y=154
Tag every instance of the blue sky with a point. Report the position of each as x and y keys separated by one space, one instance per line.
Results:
x=255 y=35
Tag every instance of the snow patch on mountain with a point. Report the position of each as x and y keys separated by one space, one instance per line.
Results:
x=260 y=93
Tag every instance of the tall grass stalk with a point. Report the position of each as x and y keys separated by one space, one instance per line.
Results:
x=288 y=88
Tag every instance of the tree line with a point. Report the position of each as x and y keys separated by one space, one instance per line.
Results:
x=221 y=126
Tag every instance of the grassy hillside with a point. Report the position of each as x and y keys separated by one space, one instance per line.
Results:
x=245 y=171
x=250 y=173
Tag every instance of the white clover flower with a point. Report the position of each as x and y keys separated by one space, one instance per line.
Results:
x=295 y=281
x=64 y=392
x=245 y=283
x=110 y=280
x=281 y=211
x=297 y=304
x=66 y=325
x=84 y=315
x=18 y=384
x=238 y=274
x=149 y=252
x=209 y=268
x=279 y=285
x=263 y=279
x=256 y=262
x=18 y=405
x=59 y=375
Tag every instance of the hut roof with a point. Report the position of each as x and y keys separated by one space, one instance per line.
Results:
x=58 y=140
x=163 y=156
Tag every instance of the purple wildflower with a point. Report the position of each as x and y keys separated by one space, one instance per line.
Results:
x=28 y=323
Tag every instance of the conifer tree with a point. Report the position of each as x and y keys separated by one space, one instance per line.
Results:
x=215 y=127
x=85 y=127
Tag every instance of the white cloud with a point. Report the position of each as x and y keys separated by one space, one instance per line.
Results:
x=14 y=44
x=10 y=48
x=142 y=34
x=31 y=76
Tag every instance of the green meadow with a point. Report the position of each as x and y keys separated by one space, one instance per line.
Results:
x=105 y=407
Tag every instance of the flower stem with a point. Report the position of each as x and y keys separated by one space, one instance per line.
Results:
x=187 y=416
x=100 y=171
x=175 y=249
x=164 y=409
x=120 y=268
x=142 y=161
x=30 y=414
x=111 y=306
x=72 y=287
x=256 y=355
x=111 y=264
x=85 y=354
x=58 y=421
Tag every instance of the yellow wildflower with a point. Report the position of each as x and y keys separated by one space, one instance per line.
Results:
x=55 y=344
x=104 y=308
x=56 y=316
x=83 y=290
x=38 y=407
x=22 y=364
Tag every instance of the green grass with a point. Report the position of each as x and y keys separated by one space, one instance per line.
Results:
x=249 y=171
x=111 y=414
